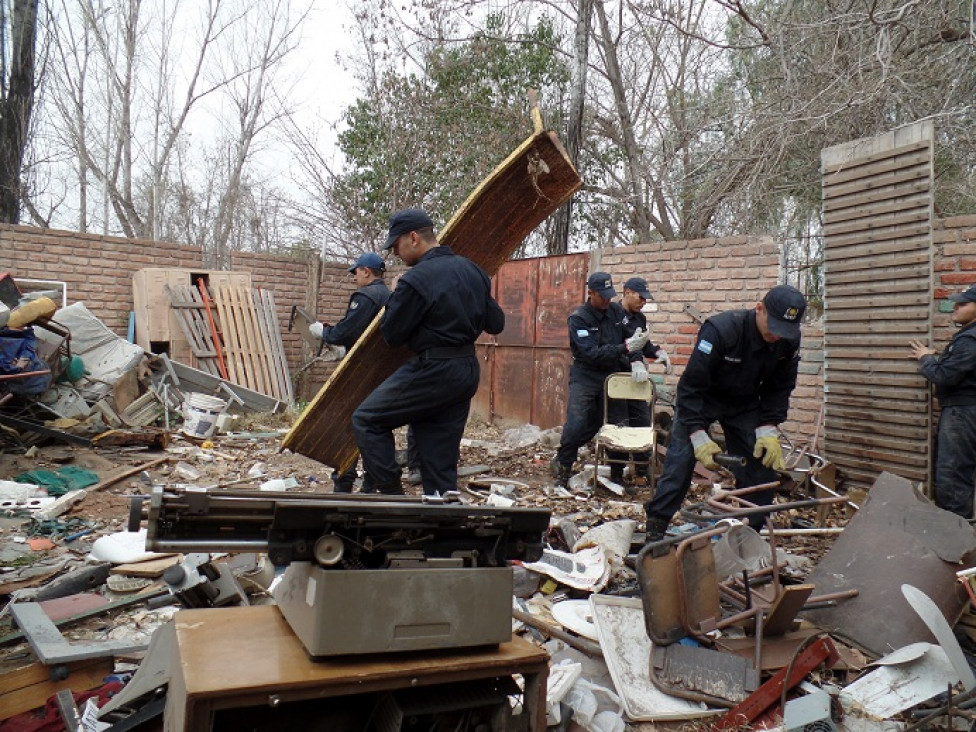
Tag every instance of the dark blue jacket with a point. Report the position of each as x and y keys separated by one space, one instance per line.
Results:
x=596 y=338
x=733 y=370
x=363 y=306
x=443 y=300
x=954 y=371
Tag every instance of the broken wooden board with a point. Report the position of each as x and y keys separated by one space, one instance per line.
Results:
x=30 y=686
x=532 y=183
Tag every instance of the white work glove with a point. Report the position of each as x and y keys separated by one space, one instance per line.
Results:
x=768 y=448
x=638 y=372
x=663 y=358
x=636 y=342
x=316 y=329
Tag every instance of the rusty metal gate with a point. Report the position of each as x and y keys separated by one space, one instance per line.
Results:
x=525 y=369
x=877 y=213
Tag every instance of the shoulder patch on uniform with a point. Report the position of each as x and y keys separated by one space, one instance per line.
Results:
x=582 y=333
x=353 y=305
x=705 y=346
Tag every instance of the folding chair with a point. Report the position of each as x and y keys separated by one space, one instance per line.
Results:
x=618 y=439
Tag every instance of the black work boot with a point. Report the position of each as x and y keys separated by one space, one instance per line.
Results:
x=560 y=473
x=617 y=474
x=656 y=529
x=342 y=485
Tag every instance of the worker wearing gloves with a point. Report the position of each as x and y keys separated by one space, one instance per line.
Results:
x=364 y=304
x=954 y=375
x=439 y=308
x=741 y=374
x=636 y=294
x=600 y=347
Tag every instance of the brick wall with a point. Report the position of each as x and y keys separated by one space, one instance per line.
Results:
x=954 y=270
x=712 y=275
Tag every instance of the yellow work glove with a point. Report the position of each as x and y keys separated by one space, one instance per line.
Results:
x=705 y=449
x=768 y=448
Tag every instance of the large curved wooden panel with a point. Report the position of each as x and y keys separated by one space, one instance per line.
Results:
x=517 y=196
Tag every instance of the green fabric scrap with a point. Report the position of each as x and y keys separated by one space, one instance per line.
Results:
x=61 y=481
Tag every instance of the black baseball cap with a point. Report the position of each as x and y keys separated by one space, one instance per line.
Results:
x=638 y=285
x=405 y=221
x=967 y=296
x=371 y=260
x=602 y=284
x=785 y=306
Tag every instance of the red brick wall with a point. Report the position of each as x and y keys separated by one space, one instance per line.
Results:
x=955 y=270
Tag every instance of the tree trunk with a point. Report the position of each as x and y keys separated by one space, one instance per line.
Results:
x=559 y=243
x=16 y=106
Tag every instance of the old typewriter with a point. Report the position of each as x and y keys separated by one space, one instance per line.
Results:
x=365 y=574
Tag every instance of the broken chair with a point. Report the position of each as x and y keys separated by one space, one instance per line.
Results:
x=616 y=444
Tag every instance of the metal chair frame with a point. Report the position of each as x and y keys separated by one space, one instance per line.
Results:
x=621 y=386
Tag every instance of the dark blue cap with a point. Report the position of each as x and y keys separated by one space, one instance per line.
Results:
x=785 y=306
x=371 y=260
x=405 y=221
x=638 y=285
x=967 y=296
x=602 y=284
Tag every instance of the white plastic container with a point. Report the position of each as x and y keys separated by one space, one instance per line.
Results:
x=200 y=413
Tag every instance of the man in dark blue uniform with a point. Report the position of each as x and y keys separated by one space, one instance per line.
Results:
x=954 y=375
x=600 y=348
x=741 y=375
x=439 y=308
x=364 y=304
x=636 y=294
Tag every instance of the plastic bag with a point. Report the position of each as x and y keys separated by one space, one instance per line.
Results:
x=586 y=707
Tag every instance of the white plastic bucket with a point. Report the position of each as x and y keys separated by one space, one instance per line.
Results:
x=200 y=413
x=739 y=548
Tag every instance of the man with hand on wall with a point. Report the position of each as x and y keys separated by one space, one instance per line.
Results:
x=953 y=373
x=439 y=308
x=741 y=374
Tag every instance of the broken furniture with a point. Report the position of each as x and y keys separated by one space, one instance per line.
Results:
x=365 y=574
x=214 y=678
x=528 y=186
x=631 y=442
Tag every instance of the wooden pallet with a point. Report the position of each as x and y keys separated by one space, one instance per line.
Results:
x=190 y=312
x=516 y=197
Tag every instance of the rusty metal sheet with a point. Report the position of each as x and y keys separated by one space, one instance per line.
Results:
x=562 y=288
x=701 y=674
x=513 y=383
x=516 y=293
x=551 y=386
x=898 y=536
x=517 y=196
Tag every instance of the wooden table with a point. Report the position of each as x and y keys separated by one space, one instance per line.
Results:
x=228 y=658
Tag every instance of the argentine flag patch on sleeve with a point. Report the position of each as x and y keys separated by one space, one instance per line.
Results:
x=582 y=333
x=705 y=347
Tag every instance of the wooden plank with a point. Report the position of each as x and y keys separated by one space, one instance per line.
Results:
x=895 y=300
x=265 y=332
x=885 y=459
x=187 y=306
x=255 y=350
x=917 y=233
x=894 y=429
x=876 y=204
x=904 y=277
x=29 y=687
x=276 y=348
x=232 y=348
x=151 y=568
x=785 y=607
x=888 y=264
x=905 y=156
x=891 y=179
x=904 y=218
x=487 y=228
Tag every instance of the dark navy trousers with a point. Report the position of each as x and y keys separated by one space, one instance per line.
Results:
x=955 y=460
x=679 y=465
x=433 y=396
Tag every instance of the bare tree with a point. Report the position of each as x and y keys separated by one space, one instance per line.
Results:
x=17 y=37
